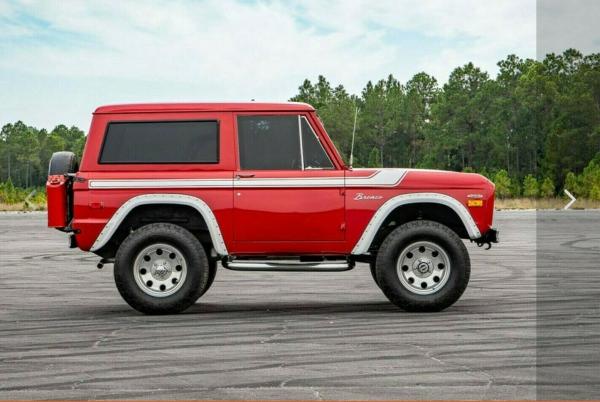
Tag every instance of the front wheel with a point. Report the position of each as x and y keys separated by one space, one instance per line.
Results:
x=161 y=268
x=423 y=266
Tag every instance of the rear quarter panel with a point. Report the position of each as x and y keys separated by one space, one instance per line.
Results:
x=93 y=208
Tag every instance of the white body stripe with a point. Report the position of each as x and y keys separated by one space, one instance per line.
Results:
x=381 y=178
x=160 y=183
x=363 y=244
x=179 y=199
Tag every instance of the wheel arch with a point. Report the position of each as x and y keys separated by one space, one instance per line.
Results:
x=437 y=207
x=131 y=209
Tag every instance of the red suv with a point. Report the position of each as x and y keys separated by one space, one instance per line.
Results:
x=167 y=191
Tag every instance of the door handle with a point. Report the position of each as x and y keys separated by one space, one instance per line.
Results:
x=244 y=175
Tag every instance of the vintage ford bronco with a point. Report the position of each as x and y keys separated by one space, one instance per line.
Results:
x=166 y=192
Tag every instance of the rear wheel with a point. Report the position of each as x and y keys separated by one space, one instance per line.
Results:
x=423 y=266
x=212 y=273
x=161 y=268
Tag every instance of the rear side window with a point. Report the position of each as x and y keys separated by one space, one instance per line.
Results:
x=161 y=142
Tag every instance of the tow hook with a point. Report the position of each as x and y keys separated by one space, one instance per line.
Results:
x=489 y=237
x=487 y=244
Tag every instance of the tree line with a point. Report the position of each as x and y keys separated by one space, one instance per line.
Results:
x=533 y=129
x=529 y=129
x=25 y=151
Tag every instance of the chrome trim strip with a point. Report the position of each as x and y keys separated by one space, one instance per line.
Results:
x=363 y=244
x=287 y=266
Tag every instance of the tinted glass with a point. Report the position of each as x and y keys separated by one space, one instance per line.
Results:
x=161 y=142
x=269 y=142
x=314 y=154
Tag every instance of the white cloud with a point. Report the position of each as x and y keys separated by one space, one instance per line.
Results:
x=105 y=52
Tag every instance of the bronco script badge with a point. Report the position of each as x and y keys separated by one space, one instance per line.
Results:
x=362 y=196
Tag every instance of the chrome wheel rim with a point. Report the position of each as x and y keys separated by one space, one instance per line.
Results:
x=160 y=270
x=423 y=268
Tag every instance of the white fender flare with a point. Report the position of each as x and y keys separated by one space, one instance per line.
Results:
x=363 y=244
x=178 y=199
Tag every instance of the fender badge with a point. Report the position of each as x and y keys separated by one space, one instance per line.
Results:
x=362 y=196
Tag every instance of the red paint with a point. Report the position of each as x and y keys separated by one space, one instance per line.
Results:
x=281 y=220
x=56 y=193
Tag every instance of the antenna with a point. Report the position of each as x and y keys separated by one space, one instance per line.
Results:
x=353 y=134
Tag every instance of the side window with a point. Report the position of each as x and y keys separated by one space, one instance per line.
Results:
x=279 y=143
x=314 y=155
x=161 y=142
x=269 y=143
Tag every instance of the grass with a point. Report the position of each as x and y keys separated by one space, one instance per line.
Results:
x=21 y=207
x=545 y=203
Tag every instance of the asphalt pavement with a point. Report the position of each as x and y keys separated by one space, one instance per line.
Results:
x=66 y=333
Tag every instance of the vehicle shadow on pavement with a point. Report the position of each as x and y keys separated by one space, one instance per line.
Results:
x=274 y=309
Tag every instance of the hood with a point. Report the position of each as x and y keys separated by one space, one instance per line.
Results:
x=444 y=179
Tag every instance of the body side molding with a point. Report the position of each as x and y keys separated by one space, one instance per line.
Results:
x=363 y=244
x=178 y=199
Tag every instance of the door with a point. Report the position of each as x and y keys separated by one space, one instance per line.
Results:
x=287 y=189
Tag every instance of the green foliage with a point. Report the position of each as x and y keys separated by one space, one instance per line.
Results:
x=590 y=179
x=572 y=183
x=10 y=195
x=374 y=158
x=547 y=188
x=537 y=118
x=25 y=151
x=503 y=184
x=531 y=187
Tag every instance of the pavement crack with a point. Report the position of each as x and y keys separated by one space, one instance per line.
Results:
x=468 y=369
x=282 y=331
x=109 y=336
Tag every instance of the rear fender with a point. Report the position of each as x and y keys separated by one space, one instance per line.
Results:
x=178 y=199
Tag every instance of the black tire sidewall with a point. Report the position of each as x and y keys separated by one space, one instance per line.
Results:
x=62 y=162
x=373 y=269
x=212 y=273
x=397 y=241
x=197 y=274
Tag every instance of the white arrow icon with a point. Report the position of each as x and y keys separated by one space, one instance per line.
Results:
x=573 y=199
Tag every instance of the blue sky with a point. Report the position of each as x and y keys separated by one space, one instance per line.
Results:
x=61 y=59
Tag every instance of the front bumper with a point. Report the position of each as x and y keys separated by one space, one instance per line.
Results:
x=489 y=237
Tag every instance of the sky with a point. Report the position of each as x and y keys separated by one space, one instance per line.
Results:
x=562 y=24
x=59 y=60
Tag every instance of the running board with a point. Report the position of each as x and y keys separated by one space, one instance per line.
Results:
x=287 y=266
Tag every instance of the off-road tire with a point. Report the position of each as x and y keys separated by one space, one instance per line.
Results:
x=197 y=268
x=400 y=238
x=212 y=273
x=373 y=269
x=62 y=162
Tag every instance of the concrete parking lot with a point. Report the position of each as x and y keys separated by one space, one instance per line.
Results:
x=66 y=333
